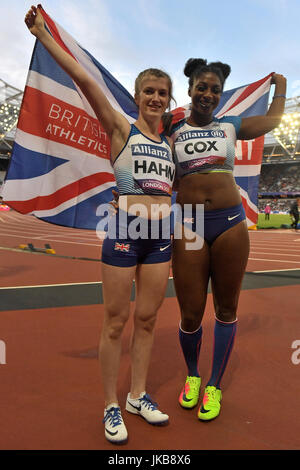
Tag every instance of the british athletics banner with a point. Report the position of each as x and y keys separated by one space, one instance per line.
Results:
x=60 y=168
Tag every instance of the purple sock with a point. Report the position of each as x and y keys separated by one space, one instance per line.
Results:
x=190 y=345
x=224 y=339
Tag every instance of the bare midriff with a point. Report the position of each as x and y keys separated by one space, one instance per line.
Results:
x=148 y=207
x=216 y=190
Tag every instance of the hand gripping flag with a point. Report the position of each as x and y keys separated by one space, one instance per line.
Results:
x=60 y=168
x=245 y=101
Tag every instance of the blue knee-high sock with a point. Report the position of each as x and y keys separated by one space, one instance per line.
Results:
x=190 y=345
x=224 y=339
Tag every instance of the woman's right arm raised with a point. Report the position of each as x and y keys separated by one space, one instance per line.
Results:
x=112 y=121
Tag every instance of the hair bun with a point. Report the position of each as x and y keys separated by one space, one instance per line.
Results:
x=193 y=64
x=225 y=68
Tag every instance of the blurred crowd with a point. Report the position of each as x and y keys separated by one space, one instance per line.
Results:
x=276 y=205
x=279 y=178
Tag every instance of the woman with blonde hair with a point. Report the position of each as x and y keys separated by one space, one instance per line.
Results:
x=144 y=170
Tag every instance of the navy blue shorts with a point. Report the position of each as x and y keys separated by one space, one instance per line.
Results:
x=217 y=221
x=123 y=247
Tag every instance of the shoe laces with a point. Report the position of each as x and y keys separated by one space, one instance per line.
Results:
x=147 y=401
x=113 y=415
x=191 y=384
x=210 y=393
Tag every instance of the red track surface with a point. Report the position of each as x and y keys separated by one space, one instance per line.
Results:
x=51 y=395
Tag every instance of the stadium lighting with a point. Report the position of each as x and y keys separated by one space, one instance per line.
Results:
x=287 y=133
x=10 y=104
x=8 y=117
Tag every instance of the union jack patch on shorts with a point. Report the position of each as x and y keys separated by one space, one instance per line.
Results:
x=122 y=246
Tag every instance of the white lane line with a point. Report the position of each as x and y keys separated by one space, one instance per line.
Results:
x=100 y=282
x=18 y=227
x=275 y=261
x=274 y=242
x=276 y=246
x=277 y=231
x=284 y=241
x=270 y=253
x=60 y=238
x=52 y=229
x=279 y=252
x=45 y=233
x=56 y=241
x=58 y=285
x=52 y=285
x=275 y=270
x=36 y=232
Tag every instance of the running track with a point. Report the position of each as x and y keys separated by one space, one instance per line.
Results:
x=51 y=317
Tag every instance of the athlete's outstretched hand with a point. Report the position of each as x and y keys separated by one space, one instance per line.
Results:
x=35 y=21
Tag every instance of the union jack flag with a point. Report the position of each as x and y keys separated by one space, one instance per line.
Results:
x=60 y=168
x=122 y=246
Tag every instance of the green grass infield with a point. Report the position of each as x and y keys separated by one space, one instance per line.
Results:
x=275 y=221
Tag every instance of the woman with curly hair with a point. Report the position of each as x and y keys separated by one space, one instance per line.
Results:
x=204 y=157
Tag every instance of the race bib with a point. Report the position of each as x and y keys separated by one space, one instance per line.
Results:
x=194 y=148
x=153 y=168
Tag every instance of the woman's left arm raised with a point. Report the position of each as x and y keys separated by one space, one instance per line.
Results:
x=256 y=126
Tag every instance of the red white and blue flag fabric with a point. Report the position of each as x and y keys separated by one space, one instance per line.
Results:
x=60 y=168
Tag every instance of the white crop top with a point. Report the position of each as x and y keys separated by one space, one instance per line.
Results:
x=205 y=149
